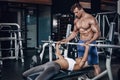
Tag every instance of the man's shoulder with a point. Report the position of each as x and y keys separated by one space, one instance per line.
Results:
x=89 y=16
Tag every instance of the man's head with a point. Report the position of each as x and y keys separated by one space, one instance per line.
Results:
x=76 y=9
x=76 y=5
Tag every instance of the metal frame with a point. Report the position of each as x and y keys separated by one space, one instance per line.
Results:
x=103 y=18
x=108 y=66
x=16 y=36
x=105 y=72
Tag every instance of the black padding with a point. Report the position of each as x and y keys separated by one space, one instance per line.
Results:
x=65 y=73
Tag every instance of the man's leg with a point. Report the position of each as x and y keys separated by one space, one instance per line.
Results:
x=97 y=69
x=93 y=59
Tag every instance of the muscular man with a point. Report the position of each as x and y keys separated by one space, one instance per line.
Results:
x=49 y=69
x=87 y=26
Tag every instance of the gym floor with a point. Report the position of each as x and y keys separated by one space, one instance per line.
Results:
x=12 y=69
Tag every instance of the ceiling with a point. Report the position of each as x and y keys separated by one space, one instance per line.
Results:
x=105 y=4
x=48 y=2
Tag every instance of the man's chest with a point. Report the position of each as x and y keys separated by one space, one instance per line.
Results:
x=82 y=24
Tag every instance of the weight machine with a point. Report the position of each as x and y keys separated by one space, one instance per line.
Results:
x=13 y=31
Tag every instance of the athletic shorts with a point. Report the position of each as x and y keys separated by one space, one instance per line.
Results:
x=92 y=55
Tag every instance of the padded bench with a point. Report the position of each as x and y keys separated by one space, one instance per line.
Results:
x=66 y=74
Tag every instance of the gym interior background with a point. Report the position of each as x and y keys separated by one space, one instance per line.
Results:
x=43 y=19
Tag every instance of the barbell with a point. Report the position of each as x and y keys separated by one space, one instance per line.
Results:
x=97 y=45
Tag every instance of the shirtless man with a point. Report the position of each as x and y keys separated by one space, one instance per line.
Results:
x=87 y=26
x=49 y=69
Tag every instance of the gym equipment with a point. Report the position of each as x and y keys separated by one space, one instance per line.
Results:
x=97 y=45
x=65 y=74
x=108 y=47
x=107 y=71
x=79 y=73
x=108 y=54
x=14 y=32
x=103 y=20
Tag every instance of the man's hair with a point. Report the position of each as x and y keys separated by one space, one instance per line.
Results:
x=76 y=5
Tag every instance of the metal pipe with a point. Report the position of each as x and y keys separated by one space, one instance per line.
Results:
x=97 y=45
x=50 y=50
x=19 y=36
x=100 y=75
x=108 y=64
x=106 y=13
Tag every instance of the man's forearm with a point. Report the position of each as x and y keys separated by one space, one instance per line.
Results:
x=95 y=37
x=72 y=35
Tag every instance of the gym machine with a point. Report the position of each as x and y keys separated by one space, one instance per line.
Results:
x=13 y=31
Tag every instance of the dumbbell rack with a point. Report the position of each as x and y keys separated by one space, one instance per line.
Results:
x=14 y=39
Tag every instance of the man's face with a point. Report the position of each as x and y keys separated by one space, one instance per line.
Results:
x=77 y=13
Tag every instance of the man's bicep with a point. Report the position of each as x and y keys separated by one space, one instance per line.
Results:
x=95 y=26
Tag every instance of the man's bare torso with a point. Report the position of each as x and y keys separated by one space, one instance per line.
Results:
x=83 y=25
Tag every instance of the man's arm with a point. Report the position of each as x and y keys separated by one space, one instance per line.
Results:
x=95 y=29
x=73 y=34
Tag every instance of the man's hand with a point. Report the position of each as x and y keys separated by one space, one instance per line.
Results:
x=85 y=45
x=87 y=42
x=63 y=41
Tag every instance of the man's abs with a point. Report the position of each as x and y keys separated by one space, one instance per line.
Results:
x=86 y=36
